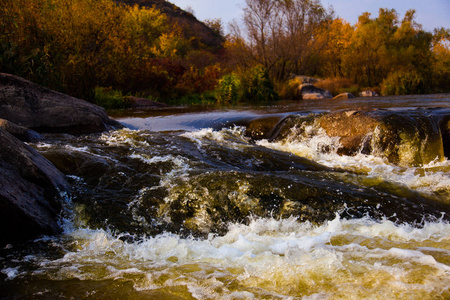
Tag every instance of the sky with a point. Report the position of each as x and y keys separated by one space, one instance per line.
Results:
x=430 y=13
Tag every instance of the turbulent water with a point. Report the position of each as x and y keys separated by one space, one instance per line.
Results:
x=187 y=206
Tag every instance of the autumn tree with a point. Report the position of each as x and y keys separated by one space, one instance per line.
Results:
x=333 y=42
x=441 y=60
x=279 y=34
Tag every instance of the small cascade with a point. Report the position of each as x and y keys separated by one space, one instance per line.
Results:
x=412 y=138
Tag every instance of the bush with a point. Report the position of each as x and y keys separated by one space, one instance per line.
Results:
x=256 y=86
x=198 y=81
x=229 y=88
x=110 y=99
x=337 y=85
x=403 y=83
x=289 y=90
x=208 y=97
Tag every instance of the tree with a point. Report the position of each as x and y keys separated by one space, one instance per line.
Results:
x=279 y=34
x=441 y=59
x=333 y=42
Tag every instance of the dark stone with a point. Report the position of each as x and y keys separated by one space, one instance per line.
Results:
x=445 y=130
x=22 y=133
x=262 y=128
x=44 y=110
x=30 y=190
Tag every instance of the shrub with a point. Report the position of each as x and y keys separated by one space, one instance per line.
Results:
x=229 y=88
x=403 y=83
x=110 y=99
x=256 y=86
x=337 y=85
x=289 y=89
x=208 y=97
x=198 y=81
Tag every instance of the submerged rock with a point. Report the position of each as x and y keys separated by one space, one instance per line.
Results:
x=44 y=110
x=30 y=188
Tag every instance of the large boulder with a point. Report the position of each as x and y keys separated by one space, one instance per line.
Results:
x=44 y=110
x=310 y=92
x=411 y=140
x=30 y=191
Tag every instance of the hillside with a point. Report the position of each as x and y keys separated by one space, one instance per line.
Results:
x=199 y=33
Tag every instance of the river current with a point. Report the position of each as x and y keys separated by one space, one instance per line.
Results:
x=183 y=204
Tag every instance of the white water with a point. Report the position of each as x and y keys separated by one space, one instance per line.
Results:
x=276 y=259
x=310 y=142
x=270 y=258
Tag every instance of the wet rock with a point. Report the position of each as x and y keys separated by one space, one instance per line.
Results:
x=352 y=127
x=368 y=93
x=208 y=202
x=310 y=92
x=445 y=130
x=44 y=110
x=30 y=190
x=344 y=96
x=262 y=128
x=409 y=140
x=22 y=133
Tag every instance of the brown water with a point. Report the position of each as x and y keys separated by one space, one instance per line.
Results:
x=183 y=205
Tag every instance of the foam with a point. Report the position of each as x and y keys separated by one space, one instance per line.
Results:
x=232 y=138
x=268 y=253
x=313 y=143
x=11 y=273
x=125 y=137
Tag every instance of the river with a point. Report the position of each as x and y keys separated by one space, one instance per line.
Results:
x=184 y=204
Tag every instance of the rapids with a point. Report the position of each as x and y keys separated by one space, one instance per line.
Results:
x=185 y=204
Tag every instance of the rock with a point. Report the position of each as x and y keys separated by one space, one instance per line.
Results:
x=30 y=190
x=368 y=93
x=309 y=91
x=351 y=126
x=44 y=110
x=396 y=137
x=262 y=128
x=344 y=96
x=22 y=133
x=144 y=103
x=445 y=130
